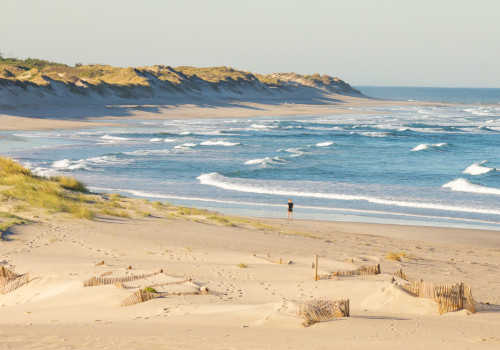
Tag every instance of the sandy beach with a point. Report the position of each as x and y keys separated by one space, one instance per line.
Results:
x=246 y=307
x=50 y=117
x=255 y=270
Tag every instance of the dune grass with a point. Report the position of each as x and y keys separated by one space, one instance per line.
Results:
x=395 y=256
x=8 y=220
x=60 y=194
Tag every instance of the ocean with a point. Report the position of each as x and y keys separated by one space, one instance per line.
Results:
x=421 y=165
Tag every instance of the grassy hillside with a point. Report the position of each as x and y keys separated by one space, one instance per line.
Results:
x=79 y=78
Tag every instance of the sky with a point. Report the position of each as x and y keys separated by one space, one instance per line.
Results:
x=443 y=43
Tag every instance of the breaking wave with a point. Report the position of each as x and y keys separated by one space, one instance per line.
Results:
x=462 y=185
x=426 y=146
x=325 y=144
x=478 y=169
x=217 y=180
x=219 y=143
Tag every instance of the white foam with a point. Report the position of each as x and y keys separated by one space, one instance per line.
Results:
x=478 y=169
x=462 y=185
x=45 y=172
x=325 y=144
x=156 y=139
x=186 y=145
x=113 y=138
x=219 y=143
x=265 y=161
x=242 y=185
x=169 y=140
x=370 y=133
x=263 y=126
x=147 y=152
x=66 y=164
x=425 y=146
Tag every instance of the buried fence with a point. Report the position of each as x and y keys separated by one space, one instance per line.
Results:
x=320 y=310
x=450 y=297
x=267 y=258
x=98 y=281
x=140 y=296
x=364 y=270
x=9 y=280
x=124 y=286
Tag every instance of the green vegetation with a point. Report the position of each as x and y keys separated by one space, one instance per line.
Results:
x=102 y=77
x=21 y=184
x=113 y=212
x=150 y=290
x=191 y=211
x=221 y=220
x=8 y=220
x=29 y=62
x=395 y=256
x=70 y=183
x=242 y=266
x=158 y=205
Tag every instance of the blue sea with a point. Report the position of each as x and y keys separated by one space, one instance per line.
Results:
x=422 y=165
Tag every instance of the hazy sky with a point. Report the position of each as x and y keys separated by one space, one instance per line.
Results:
x=364 y=42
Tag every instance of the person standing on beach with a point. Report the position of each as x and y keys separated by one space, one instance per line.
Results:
x=290 y=210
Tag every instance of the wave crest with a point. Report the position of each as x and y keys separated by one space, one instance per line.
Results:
x=478 y=169
x=242 y=185
x=427 y=146
x=219 y=143
x=462 y=185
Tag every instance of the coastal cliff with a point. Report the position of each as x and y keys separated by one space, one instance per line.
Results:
x=32 y=81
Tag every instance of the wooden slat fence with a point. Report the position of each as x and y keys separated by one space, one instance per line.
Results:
x=319 y=310
x=365 y=270
x=13 y=284
x=124 y=286
x=268 y=259
x=140 y=296
x=450 y=297
x=97 y=281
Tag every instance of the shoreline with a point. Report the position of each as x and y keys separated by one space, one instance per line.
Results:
x=52 y=118
x=40 y=118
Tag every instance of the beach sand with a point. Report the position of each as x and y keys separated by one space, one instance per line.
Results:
x=50 y=117
x=250 y=294
x=246 y=307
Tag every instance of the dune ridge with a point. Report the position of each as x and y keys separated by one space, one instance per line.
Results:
x=34 y=81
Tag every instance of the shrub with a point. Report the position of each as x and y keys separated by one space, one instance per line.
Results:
x=70 y=183
x=396 y=256
x=150 y=290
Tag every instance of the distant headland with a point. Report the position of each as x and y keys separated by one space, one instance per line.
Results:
x=37 y=81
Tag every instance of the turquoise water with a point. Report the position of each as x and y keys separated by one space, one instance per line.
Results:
x=411 y=164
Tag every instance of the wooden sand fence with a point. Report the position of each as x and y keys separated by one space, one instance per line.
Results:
x=364 y=270
x=320 y=310
x=268 y=259
x=450 y=297
x=98 y=281
x=9 y=280
x=140 y=296
x=124 y=286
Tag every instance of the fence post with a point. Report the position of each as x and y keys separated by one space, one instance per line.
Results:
x=316 y=268
x=461 y=296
